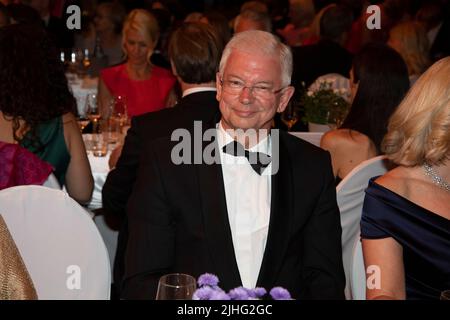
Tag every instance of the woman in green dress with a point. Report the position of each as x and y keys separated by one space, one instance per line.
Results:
x=37 y=109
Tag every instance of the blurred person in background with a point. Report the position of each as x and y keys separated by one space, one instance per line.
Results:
x=56 y=27
x=103 y=39
x=379 y=81
x=4 y=16
x=301 y=14
x=434 y=16
x=410 y=40
x=37 y=109
x=252 y=20
x=145 y=85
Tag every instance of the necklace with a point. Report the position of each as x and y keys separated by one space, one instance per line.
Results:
x=438 y=180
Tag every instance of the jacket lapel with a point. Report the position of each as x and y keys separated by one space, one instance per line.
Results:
x=216 y=223
x=280 y=218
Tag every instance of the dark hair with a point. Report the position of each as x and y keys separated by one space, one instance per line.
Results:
x=195 y=50
x=334 y=22
x=22 y=13
x=117 y=14
x=220 y=24
x=33 y=86
x=383 y=82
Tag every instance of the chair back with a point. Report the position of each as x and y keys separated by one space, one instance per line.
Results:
x=350 y=198
x=357 y=278
x=52 y=182
x=59 y=243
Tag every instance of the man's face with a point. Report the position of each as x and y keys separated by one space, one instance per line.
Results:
x=251 y=108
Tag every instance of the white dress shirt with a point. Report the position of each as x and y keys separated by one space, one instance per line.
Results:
x=248 y=197
x=197 y=89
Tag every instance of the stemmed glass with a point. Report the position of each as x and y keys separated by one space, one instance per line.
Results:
x=290 y=115
x=93 y=111
x=118 y=117
x=176 y=286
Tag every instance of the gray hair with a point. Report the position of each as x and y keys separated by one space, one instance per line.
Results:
x=260 y=42
x=260 y=18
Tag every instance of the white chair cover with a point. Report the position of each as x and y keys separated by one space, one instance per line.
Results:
x=357 y=279
x=350 y=198
x=52 y=182
x=311 y=137
x=59 y=243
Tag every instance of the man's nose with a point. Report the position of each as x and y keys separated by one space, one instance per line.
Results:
x=246 y=95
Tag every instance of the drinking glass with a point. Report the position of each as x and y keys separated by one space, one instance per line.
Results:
x=118 y=117
x=99 y=146
x=93 y=111
x=176 y=286
x=290 y=115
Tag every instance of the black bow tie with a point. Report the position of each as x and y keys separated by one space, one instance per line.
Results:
x=258 y=160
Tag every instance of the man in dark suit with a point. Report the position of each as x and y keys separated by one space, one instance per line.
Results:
x=195 y=53
x=55 y=26
x=256 y=209
x=329 y=54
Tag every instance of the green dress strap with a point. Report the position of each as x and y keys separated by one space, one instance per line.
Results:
x=51 y=146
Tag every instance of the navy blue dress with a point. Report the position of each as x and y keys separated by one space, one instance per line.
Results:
x=423 y=235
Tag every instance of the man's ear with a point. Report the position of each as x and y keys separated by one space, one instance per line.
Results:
x=174 y=69
x=286 y=95
x=218 y=87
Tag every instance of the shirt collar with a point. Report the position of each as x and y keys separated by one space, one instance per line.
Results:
x=197 y=89
x=223 y=138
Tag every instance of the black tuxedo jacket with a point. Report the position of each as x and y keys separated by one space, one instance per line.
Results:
x=178 y=222
x=313 y=61
x=145 y=128
x=119 y=183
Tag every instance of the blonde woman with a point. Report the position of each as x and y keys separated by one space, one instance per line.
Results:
x=145 y=86
x=405 y=223
x=410 y=40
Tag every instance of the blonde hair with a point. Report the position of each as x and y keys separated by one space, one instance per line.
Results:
x=143 y=22
x=413 y=47
x=419 y=130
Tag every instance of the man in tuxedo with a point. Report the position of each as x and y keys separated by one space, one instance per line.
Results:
x=195 y=51
x=263 y=213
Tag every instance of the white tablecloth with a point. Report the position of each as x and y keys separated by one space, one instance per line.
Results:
x=80 y=89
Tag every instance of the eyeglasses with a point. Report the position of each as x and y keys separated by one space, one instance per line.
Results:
x=235 y=87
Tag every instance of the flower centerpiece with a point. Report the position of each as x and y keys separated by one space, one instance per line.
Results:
x=325 y=105
x=208 y=289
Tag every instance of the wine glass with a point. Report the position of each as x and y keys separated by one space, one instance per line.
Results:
x=118 y=116
x=82 y=122
x=176 y=286
x=92 y=111
x=290 y=115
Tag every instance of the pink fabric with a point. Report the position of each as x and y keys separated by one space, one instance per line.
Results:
x=142 y=95
x=21 y=167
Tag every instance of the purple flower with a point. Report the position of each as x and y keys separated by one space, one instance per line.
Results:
x=279 y=293
x=257 y=293
x=203 y=293
x=208 y=279
x=219 y=295
x=239 y=293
